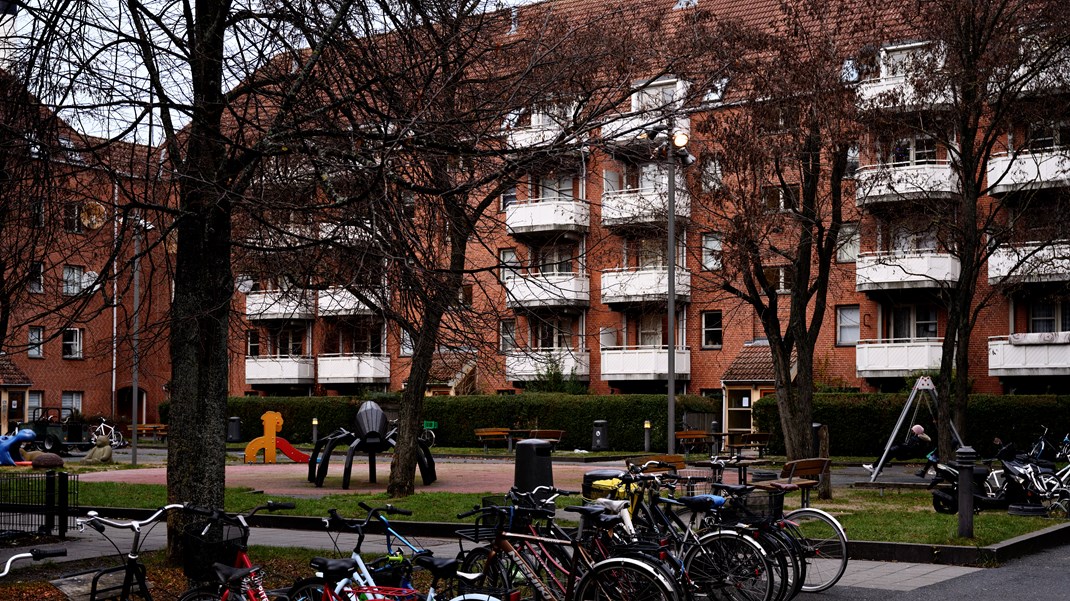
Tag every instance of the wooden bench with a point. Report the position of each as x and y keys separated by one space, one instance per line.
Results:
x=551 y=436
x=489 y=435
x=689 y=440
x=752 y=440
x=675 y=463
x=157 y=431
x=803 y=474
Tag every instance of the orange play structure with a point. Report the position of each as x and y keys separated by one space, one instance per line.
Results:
x=270 y=442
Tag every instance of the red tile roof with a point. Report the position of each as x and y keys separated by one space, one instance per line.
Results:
x=754 y=363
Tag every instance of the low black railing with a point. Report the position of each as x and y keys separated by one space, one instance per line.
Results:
x=42 y=503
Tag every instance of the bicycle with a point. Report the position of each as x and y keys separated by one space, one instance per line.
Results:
x=217 y=551
x=35 y=554
x=109 y=430
x=134 y=582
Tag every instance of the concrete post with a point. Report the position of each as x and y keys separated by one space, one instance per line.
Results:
x=965 y=458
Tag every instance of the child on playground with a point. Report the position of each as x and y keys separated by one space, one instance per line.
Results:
x=915 y=445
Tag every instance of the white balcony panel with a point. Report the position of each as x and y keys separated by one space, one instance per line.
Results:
x=354 y=369
x=643 y=363
x=278 y=370
x=631 y=128
x=901 y=270
x=896 y=92
x=643 y=205
x=1037 y=359
x=548 y=215
x=639 y=285
x=534 y=136
x=888 y=359
x=525 y=366
x=278 y=304
x=1029 y=171
x=549 y=290
x=1030 y=263
x=890 y=183
x=339 y=301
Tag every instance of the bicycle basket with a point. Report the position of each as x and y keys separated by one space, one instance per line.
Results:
x=755 y=506
x=206 y=543
x=385 y=592
x=694 y=482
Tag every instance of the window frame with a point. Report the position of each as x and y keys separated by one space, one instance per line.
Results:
x=35 y=349
x=72 y=217
x=253 y=344
x=712 y=258
x=35 y=283
x=73 y=286
x=707 y=329
x=504 y=336
x=76 y=398
x=76 y=344
x=849 y=238
x=841 y=324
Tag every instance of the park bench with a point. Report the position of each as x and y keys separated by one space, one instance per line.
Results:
x=675 y=463
x=752 y=440
x=551 y=436
x=489 y=435
x=803 y=474
x=156 y=431
x=689 y=440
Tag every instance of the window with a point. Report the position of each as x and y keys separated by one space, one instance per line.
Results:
x=1049 y=316
x=553 y=334
x=847 y=325
x=405 y=346
x=913 y=322
x=290 y=342
x=72 y=217
x=34 y=401
x=507 y=335
x=36 y=280
x=510 y=264
x=650 y=253
x=781 y=278
x=556 y=187
x=657 y=96
x=35 y=341
x=37 y=213
x=1046 y=136
x=854 y=158
x=72 y=400
x=508 y=197
x=718 y=88
x=73 y=277
x=465 y=295
x=554 y=260
x=912 y=150
x=712 y=175
x=252 y=343
x=905 y=239
x=685 y=4
x=781 y=198
x=712 y=330
x=847 y=246
x=650 y=329
x=72 y=343
x=711 y=251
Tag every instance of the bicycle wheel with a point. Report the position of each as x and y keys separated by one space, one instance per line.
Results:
x=428 y=438
x=624 y=579
x=798 y=562
x=781 y=563
x=824 y=546
x=500 y=573
x=309 y=589
x=726 y=565
x=204 y=593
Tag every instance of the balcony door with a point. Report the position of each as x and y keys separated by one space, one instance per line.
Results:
x=913 y=322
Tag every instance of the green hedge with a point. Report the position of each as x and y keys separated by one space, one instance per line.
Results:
x=859 y=424
x=459 y=416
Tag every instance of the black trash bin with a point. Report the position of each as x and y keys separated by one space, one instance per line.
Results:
x=815 y=428
x=533 y=465
x=234 y=429
x=600 y=435
x=590 y=491
x=716 y=441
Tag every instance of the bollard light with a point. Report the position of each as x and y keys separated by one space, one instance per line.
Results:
x=646 y=436
x=315 y=430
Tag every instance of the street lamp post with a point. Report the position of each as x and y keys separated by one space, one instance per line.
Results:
x=677 y=142
x=140 y=227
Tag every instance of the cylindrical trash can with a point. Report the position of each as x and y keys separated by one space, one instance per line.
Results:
x=600 y=435
x=815 y=428
x=592 y=491
x=716 y=440
x=234 y=429
x=533 y=465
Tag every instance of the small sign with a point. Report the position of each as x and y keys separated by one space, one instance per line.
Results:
x=430 y=425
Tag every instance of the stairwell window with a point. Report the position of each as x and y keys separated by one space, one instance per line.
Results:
x=712 y=330
x=507 y=335
x=847 y=325
x=72 y=217
x=848 y=245
x=35 y=342
x=73 y=277
x=711 y=251
x=35 y=282
x=72 y=343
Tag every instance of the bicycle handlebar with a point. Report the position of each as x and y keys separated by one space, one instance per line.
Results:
x=35 y=554
x=98 y=523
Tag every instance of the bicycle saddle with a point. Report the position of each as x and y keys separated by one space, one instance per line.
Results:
x=230 y=574
x=702 y=502
x=440 y=567
x=333 y=569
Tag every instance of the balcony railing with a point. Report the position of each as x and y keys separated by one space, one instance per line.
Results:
x=530 y=364
x=901 y=270
x=643 y=205
x=643 y=363
x=339 y=301
x=533 y=136
x=279 y=370
x=896 y=358
x=548 y=215
x=1030 y=263
x=630 y=285
x=890 y=183
x=279 y=304
x=632 y=128
x=1029 y=170
x=549 y=290
x=897 y=91
x=1032 y=357
x=364 y=368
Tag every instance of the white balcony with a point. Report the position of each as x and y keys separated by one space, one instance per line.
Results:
x=890 y=183
x=279 y=370
x=902 y=270
x=630 y=128
x=630 y=285
x=548 y=215
x=534 y=136
x=524 y=366
x=897 y=92
x=643 y=205
x=1030 y=263
x=896 y=358
x=279 y=304
x=1031 y=356
x=339 y=301
x=1029 y=171
x=354 y=369
x=643 y=363
x=549 y=290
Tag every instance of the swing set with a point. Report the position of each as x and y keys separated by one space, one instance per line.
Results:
x=923 y=393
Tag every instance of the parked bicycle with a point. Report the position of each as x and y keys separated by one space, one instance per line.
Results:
x=35 y=554
x=111 y=431
x=134 y=582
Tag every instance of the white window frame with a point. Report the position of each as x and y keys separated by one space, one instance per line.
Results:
x=708 y=328
x=36 y=283
x=509 y=263
x=35 y=339
x=73 y=343
x=849 y=244
x=557 y=329
x=34 y=400
x=712 y=175
x=253 y=342
x=651 y=325
x=848 y=325
x=71 y=399
x=405 y=344
x=507 y=335
x=912 y=312
x=1059 y=317
x=508 y=198
x=556 y=187
x=73 y=280
x=712 y=247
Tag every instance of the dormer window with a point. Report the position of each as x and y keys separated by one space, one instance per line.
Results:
x=685 y=4
x=659 y=95
x=895 y=61
x=716 y=91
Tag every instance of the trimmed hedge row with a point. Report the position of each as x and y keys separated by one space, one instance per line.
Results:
x=459 y=416
x=859 y=424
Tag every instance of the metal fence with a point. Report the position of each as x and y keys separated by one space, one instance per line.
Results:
x=42 y=503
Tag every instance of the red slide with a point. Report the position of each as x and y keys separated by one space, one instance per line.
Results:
x=288 y=449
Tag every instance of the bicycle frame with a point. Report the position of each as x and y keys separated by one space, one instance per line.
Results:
x=503 y=545
x=134 y=570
